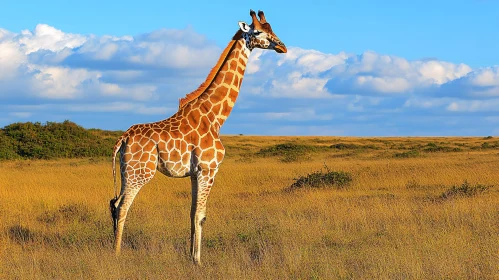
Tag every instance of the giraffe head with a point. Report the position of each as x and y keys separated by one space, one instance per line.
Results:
x=260 y=35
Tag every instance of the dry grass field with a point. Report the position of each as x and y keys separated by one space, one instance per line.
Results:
x=416 y=208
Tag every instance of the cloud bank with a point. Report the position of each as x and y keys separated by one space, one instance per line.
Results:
x=112 y=82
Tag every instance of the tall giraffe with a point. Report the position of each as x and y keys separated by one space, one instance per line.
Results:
x=188 y=143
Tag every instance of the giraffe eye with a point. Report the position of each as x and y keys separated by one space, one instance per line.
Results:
x=256 y=32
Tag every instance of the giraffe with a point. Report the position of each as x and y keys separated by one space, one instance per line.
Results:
x=188 y=144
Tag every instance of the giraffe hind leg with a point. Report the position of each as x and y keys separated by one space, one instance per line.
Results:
x=121 y=204
x=132 y=180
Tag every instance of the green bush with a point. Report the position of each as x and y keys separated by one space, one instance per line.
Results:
x=7 y=147
x=321 y=179
x=54 y=140
x=433 y=147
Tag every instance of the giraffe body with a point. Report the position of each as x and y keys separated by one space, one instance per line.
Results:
x=188 y=144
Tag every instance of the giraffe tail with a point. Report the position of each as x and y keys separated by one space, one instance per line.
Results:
x=112 y=203
x=116 y=148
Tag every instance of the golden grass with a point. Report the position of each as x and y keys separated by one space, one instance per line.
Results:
x=389 y=223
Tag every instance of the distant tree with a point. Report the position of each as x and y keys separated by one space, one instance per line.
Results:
x=7 y=147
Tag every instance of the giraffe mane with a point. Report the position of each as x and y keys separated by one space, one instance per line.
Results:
x=211 y=76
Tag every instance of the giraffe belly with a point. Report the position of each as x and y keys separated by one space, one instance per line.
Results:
x=174 y=169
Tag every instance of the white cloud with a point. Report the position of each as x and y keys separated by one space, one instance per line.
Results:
x=372 y=73
x=46 y=37
x=307 y=130
x=488 y=77
x=111 y=89
x=136 y=108
x=106 y=52
x=5 y=33
x=297 y=114
x=31 y=108
x=491 y=105
x=358 y=103
x=384 y=85
x=440 y=72
x=478 y=84
x=49 y=63
x=62 y=82
x=312 y=74
x=11 y=60
x=426 y=103
x=312 y=61
x=253 y=65
x=295 y=74
x=171 y=54
x=141 y=108
x=21 y=115
x=298 y=86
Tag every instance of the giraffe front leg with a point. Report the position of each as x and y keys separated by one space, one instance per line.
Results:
x=202 y=181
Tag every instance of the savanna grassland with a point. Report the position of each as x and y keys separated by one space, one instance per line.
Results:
x=402 y=208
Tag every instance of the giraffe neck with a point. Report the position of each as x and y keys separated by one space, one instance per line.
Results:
x=221 y=94
x=224 y=90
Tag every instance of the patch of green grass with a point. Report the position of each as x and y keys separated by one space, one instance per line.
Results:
x=323 y=179
x=288 y=152
x=490 y=145
x=344 y=146
x=464 y=190
x=350 y=146
x=408 y=154
x=433 y=147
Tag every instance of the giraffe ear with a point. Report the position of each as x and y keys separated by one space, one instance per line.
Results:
x=243 y=26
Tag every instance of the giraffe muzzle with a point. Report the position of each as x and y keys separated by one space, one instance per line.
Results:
x=281 y=49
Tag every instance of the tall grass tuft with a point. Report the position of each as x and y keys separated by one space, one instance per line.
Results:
x=21 y=234
x=464 y=190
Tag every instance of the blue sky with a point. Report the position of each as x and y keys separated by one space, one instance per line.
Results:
x=354 y=67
